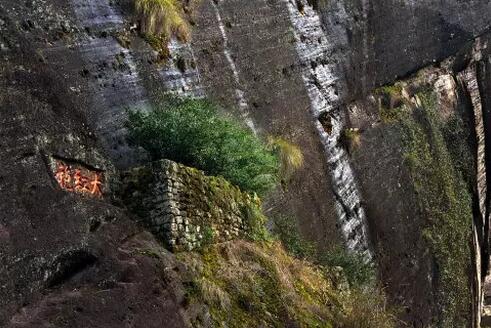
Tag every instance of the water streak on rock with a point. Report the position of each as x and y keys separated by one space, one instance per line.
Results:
x=181 y=75
x=321 y=80
x=239 y=93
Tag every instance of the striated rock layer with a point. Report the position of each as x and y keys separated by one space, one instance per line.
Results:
x=70 y=69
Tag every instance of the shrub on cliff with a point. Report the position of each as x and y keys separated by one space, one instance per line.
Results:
x=193 y=132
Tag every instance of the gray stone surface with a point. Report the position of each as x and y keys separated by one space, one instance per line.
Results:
x=198 y=205
x=52 y=45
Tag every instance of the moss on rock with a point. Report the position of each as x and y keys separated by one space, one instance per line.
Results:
x=247 y=284
x=444 y=200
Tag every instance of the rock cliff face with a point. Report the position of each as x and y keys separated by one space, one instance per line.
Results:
x=304 y=70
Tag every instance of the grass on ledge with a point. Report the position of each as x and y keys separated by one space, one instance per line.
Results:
x=248 y=284
x=162 y=18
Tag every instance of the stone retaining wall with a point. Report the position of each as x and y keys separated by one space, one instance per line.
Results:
x=185 y=208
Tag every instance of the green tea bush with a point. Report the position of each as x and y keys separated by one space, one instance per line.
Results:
x=194 y=133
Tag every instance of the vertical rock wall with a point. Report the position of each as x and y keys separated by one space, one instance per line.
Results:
x=403 y=128
x=113 y=74
x=322 y=80
x=267 y=70
x=480 y=239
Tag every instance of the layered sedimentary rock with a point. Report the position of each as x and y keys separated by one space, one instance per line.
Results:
x=71 y=69
x=321 y=78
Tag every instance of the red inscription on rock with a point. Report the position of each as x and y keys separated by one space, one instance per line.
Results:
x=78 y=179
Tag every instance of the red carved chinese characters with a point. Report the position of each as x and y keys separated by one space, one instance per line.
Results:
x=79 y=180
x=96 y=185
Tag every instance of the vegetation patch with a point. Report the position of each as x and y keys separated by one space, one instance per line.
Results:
x=163 y=18
x=248 y=284
x=285 y=229
x=290 y=157
x=357 y=271
x=256 y=220
x=393 y=115
x=195 y=133
x=456 y=134
x=159 y=44
x=351 y=138
x=446 y=203
x=391 y=104
x=160 y=20
x=389 y=90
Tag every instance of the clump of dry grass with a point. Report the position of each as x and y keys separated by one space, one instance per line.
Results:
x=366 y=309
x=290 y=156
x=351 y=138
x=247 y=284
x=162 y=18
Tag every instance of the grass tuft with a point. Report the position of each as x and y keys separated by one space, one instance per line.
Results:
x=290 y=156
x=162 y=18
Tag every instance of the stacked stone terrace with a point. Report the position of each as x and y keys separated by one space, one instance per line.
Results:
x=185 y=208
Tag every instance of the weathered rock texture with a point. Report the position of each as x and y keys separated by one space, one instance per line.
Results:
x=66 y=260
x=380 y=41
x=385 y=168
x=187 y=209
x=69 y=70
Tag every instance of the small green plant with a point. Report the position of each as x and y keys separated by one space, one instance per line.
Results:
x=392 y=115
x=390 y=90
x=159 y=44
x=391 y=103
x=162 y=18
x=358 y=271
x=285 y=228
x=194 y=133
x=256 y=222
x=351 y=138
x=208 y=237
